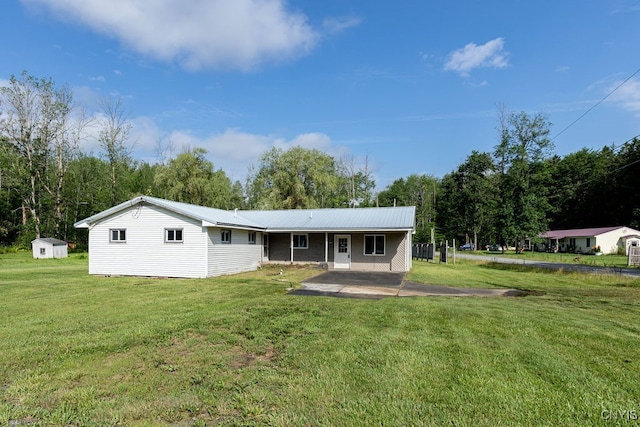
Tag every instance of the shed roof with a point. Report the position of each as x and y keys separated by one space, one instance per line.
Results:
x=50 y=240
x=396 y=218
x=580 y=232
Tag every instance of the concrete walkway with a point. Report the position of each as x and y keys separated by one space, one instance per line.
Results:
x=627 y=272
x=363 y=284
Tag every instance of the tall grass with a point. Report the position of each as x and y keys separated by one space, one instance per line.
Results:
x=238 y=350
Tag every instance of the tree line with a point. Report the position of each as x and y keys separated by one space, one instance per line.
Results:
x=523 y=189
x=47 y=183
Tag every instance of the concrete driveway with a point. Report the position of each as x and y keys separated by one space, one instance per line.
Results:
x=368 y=284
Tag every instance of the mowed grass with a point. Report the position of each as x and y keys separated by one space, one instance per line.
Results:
x=610 y=261
x=237 y=350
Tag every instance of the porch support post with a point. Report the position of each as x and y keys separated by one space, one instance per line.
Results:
x=326 y=247
x=291 y=247
x=408 y=259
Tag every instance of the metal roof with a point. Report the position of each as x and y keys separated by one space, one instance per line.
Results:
x=580 y=232
x=212 y=216
x=388 y=218
x=51 y=240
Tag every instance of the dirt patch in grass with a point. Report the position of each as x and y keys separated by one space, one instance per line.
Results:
x=244 y=360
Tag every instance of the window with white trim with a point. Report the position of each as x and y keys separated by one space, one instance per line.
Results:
x=173 y=235
x=225 y=236
x=300 y=241
x=118 y=235
x=374 y=244
x=252 y=237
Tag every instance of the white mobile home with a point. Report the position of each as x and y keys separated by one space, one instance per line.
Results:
x=606 y=240
x=147 y=236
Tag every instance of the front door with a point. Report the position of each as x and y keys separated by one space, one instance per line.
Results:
x=342 y=254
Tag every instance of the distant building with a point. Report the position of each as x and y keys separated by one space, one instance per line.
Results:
x=49 y=248
x=606 y=240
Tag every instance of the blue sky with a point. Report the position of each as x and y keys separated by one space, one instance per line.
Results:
x=411 y=85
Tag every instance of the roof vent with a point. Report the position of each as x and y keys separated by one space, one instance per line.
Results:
x=235 y=213
x=310 y=214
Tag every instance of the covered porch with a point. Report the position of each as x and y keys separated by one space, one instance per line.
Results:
x=339 y=250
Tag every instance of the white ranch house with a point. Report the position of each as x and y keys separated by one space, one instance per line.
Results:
x=147 y=236
x=588 y=240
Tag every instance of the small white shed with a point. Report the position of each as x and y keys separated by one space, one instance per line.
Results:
x=49 y=248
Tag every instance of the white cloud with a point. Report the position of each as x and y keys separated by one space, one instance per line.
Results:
x=489 y=55
x=232 y=150
x=338 y=25
x=239 y=34
x=625 y=7
x=627 y=95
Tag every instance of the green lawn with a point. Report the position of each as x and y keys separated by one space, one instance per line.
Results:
x=611 y=261
x=237 y=350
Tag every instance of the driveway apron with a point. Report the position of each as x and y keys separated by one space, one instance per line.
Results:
x=367 y=284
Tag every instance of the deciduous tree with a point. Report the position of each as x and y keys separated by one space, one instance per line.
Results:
x=419 y=191
x=191 y=178
x=520 y=155
x=113 y=137
x=40 y=136
x=468 y=199
x=291 y=179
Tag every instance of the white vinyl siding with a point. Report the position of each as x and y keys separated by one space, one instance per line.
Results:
x=611 y=241
x=234 y=257
x=145 y=234
x=44 y=249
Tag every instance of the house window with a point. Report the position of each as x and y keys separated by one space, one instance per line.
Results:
x=225 y=236
x=118 y=235
x=173 y=235
x=252 y=237
x=588 y=242
x=374 y=244
x=300 y=241
x=43 y=251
